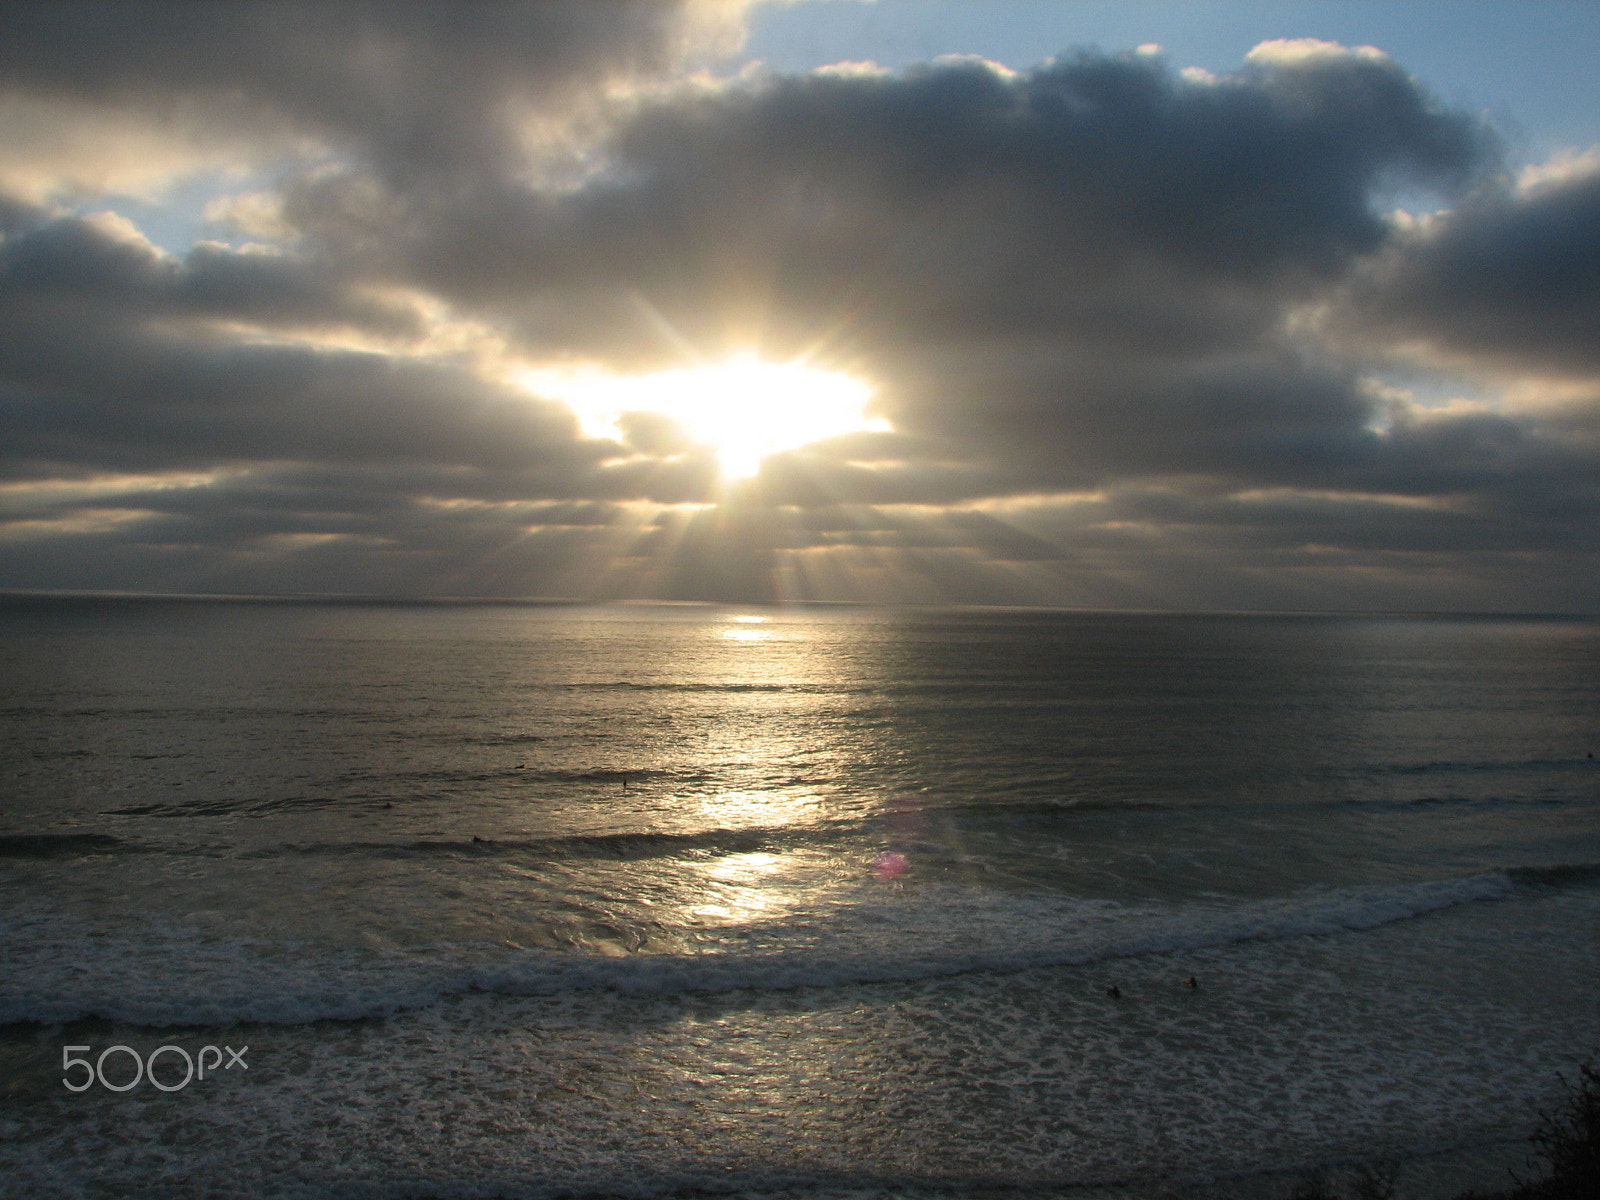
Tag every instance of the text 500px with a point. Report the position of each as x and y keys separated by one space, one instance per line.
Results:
x=174 y=1059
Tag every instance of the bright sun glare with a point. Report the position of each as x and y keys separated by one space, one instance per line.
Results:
x=744 y=409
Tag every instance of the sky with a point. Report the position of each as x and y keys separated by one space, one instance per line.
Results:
x=1145 y=304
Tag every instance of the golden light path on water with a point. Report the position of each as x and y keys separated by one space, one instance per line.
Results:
x=747 y=895
x=756 y=886
x=742 y=631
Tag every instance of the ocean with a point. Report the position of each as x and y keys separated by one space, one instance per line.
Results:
x=366 y=900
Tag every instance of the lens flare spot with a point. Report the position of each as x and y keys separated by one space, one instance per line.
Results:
x=890 y=864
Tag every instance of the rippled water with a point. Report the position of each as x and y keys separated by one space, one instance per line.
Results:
x=523 y=900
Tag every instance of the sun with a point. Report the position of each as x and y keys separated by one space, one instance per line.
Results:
x=744 y=409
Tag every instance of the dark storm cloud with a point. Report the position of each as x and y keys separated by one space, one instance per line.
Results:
x=419 y=88
x=146 y=406
x=1082 y=271
x=110 y=273
x=112 y=358
x=1514 y=279
x=1158 y=293
x=1094 y=197
x=16 y=215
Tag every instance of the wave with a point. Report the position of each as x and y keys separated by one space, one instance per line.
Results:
x=1572 y=763
x=992 y=804
x=227 y=808
x=174 y=977
x=58 y=845
x=214 y=714
x=622 y=847
x=401 y=786
x=898 y=688
x=1563 y=875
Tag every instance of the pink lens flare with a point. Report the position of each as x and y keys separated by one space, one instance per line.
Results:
x=889 y=865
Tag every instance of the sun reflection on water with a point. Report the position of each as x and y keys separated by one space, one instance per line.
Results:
x=774 y=752
x=742 y=631
x=744 y=868
x=759 y=810
x=748 y=886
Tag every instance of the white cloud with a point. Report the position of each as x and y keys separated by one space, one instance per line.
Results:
x=1566 y=167
x=259 y=214
x=853 y=69
x=52 y=149
x=1293 y=51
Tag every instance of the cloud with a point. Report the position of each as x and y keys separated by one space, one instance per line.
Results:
x=1300 y=52
x=1510 y=281
x=1082 y=271
x=119 y=357
x=102 y=262
x=1130 y=325
x=418 y=89
x=58 y=146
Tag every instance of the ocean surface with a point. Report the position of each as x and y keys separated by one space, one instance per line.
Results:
x=530 y=901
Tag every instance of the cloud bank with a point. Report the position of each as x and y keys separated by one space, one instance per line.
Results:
x=1294 y=336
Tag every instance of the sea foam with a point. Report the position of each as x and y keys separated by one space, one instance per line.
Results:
x=62 y=969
